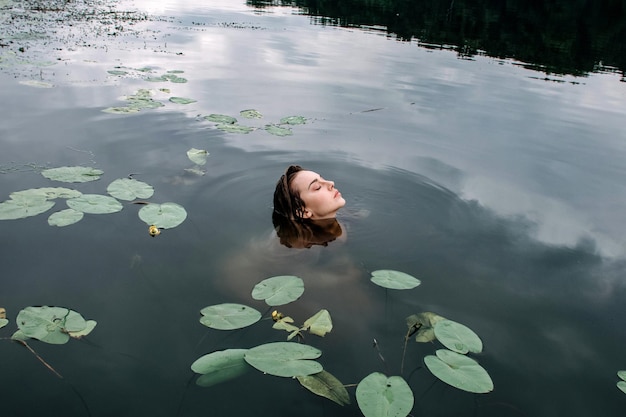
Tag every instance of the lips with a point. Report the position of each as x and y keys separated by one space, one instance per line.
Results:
x=337 y=194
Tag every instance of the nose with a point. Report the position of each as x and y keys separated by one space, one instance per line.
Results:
x=331 y=185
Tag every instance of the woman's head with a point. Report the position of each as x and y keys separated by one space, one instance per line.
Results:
x=301 y=194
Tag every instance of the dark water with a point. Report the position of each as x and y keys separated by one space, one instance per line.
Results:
x=498 y=183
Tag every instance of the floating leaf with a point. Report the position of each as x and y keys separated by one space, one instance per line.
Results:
x=117 y=72
x=319 y=324
x=622 y=386
x=426 y=322
x=250 y=114
x=459 y=371
x=3 y=322
x=163 y=216
x=457 y=337
x=121 y=110
x=229 y=316
x=72 y=174
x=221 y=118
x=394 y=280
x=49 y=193
x=220 y=366
x=3 y=313
x=91 y=324
x=326 y=385
x=49 y=324
x=235 y=128
x=24 y=207
x=382 y=396
x=293 y=120
x=37 y=84
x=284 y=323
x=197 y=156
x=65 y=217
x=286 y=359
x=279 y=290
x=182 y=100
x=129 y=189
x=95 y=204
x=622 y=375
x=278 y=131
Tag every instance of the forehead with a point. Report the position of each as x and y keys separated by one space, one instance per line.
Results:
x=302 y=180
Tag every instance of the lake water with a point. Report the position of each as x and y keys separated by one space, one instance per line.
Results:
x=500 y=186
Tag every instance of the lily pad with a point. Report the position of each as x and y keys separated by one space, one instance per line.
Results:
x=622 y=375
x=234 y=128
x=293 y=120
x=182 y=100
x=279 y=290
x=622 y=386
x=3 y=322
x=459 y=371
x=229 y=316
x=49 y=324
x=197 y=156
x=395 y=280
x=220 y=366
x=24 y=207
x=382 y=396
x=278 y=131
x=95 y=204
x=129 y=189
x=65 y=217
x=91 y=324
x=319 y=324
x=250 y=114
x=221 y=119
x=164 y=216
x=117 y=72
x=72 y=174
x=426 y=322
x=286 y=359
x=37 y=84
x=326 y=385
x=457 y=337
x=49 y=193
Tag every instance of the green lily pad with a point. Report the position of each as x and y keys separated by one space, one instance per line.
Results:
x=172 y=77
x=197 y=156
x=129 y=189
x=182 y=100
x=459 y=371
x=395 y=280
x=117 y=72
x=278 y=131
x=279 y=290
x=163 y=216
x=49 y=324
x=229 y=316
x=95 y=204
x=221 y=119
x=220 y=366
x=37 y=84
x=622 y=375
x=326 y=385
x=65 y=217
x=457 y=337
x=622 y=386
x=234 y=128
x=286 y=359
x=380 y=396
x=3 y=322
x=72 y=174
x=293 y=120
x=319 y=324
x=90 y=325
x=24 y=207
x=121 y=110
x=49 y=193
x=250 y=114
x=426 y=322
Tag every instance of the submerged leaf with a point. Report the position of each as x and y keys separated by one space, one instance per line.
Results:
x=457 y=337
x=279 y=290
x=220 y=366
x=197 y=156
x=229 y=316
x=129 y=189
x=319 y=324
x=286 y=359
x=395 y=280
x=326 y=385
x=382 y=396
x=459 y=371
x=72 y=174
x=65 y=217
x=164 y=216
x=95 y=204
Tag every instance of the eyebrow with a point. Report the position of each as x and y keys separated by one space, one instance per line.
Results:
x=312 y=182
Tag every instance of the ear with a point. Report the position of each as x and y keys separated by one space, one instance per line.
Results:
x=306 y=214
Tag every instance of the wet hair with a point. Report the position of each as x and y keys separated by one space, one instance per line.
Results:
x=306 y=233
x=287 y=202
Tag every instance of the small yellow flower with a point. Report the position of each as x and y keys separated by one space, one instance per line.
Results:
x=154 y=231
x=276 y=315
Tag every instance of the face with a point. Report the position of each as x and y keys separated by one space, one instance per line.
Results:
x=321 y=198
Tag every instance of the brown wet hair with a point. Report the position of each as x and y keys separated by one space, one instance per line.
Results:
x=287 y=202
